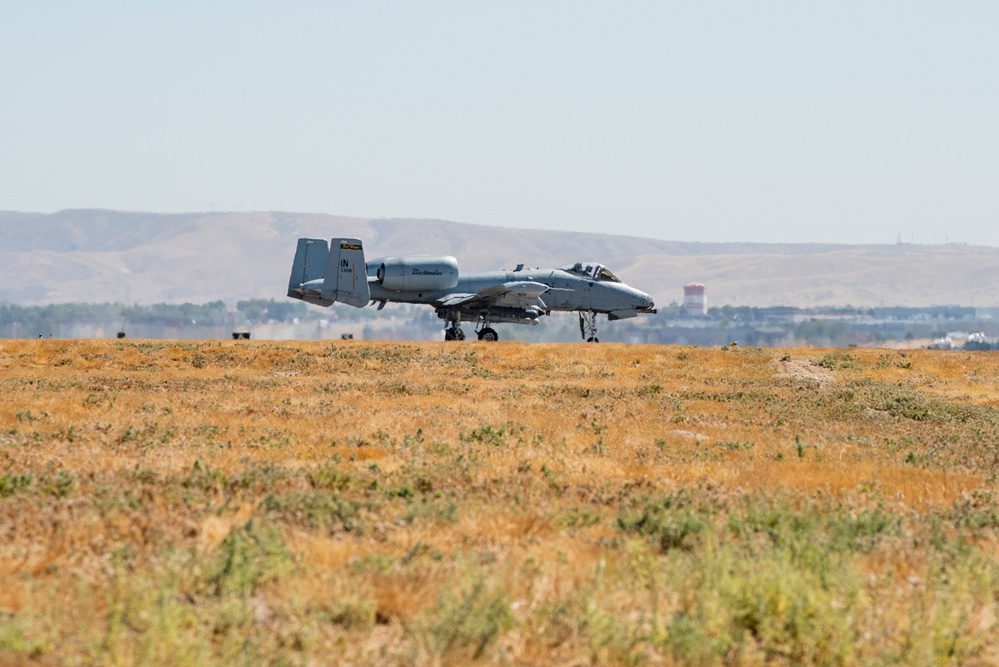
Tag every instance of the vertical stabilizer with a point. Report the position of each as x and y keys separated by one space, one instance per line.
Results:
x=310 y=262
x=346 y=279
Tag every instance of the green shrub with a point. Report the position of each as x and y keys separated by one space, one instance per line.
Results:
x=466 y=624
x=11 y=483
x=248 y=557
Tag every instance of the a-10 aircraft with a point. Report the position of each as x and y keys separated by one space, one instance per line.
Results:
x=327 y=273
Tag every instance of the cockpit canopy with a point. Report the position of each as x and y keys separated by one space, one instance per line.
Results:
x=593 y=271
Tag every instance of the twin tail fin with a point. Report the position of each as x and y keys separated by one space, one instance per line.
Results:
x=324 y=273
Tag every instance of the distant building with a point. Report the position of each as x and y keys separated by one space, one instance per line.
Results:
x=695 y=301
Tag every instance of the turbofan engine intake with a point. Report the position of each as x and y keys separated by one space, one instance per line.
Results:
x=418 y=274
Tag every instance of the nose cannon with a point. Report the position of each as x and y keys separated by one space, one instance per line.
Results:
x=645 y=304
x=649 y=309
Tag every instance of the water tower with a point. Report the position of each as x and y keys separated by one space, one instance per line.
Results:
x=695 y=302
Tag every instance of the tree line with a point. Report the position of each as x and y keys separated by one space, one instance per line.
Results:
x=17 y=321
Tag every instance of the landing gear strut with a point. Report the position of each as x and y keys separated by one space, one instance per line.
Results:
x=453 y=330
x=588 y=326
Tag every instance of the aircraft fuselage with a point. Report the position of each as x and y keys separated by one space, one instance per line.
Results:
x=568 y=292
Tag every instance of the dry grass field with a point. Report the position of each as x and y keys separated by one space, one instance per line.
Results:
x=179 y=503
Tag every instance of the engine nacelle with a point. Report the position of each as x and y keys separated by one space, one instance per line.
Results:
x=417 y=273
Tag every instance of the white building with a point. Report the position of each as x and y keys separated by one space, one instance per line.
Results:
x=695 y=301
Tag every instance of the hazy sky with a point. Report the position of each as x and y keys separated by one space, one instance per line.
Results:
x=707 y=121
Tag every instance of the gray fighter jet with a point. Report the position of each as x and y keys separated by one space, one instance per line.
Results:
x=324 y=274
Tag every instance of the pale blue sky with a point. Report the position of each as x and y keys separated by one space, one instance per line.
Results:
x=706 y=121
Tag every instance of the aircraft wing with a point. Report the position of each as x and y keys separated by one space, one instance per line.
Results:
x=523 y=294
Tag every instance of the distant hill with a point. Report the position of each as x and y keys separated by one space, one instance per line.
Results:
x=100 y=256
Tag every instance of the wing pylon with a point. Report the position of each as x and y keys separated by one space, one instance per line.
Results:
x=522 y=294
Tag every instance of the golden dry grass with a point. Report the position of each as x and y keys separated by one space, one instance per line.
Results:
x=205 y=502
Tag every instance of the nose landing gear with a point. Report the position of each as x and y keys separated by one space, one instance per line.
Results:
x=588 y=326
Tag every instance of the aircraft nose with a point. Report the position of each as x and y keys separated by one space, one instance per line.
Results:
x=646 y=303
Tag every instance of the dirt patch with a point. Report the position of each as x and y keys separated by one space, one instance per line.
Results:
x=805 y=371
x=689 y=435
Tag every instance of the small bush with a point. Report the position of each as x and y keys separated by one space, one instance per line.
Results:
x=487 y=435
x=11 y=483
x=669 y=521
x=468 y=623
x=248 y=557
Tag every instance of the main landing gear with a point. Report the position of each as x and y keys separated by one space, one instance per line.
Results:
x=453 y=329
x=588 y=326
x=488 y=334
x=454 y=332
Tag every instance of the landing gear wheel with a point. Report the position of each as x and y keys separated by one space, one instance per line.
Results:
x=488 y=334
x=454 y=333
x=592 y=339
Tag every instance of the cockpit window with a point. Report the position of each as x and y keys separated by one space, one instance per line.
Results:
x=605 y=274
x=592 y=271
